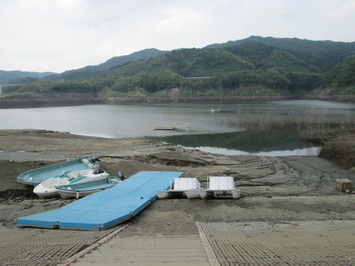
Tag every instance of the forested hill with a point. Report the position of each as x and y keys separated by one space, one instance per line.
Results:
x=96 y=70
x=8 y=76
x=243 y=68
x=255 y=66
x=294 y=44
x=328 y=52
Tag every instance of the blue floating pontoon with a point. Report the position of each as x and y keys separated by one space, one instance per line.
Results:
x=107 y=208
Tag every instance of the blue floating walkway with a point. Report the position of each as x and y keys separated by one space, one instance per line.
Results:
x=106 y=208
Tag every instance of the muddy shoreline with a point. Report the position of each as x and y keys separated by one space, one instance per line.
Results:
x=274 y=189
x=256 y=176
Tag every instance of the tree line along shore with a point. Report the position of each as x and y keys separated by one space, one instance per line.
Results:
x=74 y=99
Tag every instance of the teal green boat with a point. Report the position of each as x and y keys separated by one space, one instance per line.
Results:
x=80 y=190
x=36 y=176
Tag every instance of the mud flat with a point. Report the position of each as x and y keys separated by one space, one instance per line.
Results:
x=274 y=189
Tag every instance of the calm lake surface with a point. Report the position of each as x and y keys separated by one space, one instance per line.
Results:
x=208 y=126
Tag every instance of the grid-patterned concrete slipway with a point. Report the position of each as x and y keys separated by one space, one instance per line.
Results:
x=44 y=247
x=219 y=243
x=288 y=243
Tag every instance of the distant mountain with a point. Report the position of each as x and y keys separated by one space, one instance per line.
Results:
x=218 y=61
x=6 y=76
x=96 y=70
x=255 y=66
x=137 y=56
x=292 y=44
x=329 y=52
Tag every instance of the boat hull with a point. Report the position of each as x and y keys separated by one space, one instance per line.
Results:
x=164 y=128
x=67 y=194
x=192 y=194
x=46 y=193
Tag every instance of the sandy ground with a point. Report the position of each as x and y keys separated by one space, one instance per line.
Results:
x=273 y=189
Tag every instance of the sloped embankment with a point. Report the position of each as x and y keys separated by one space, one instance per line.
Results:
x=340 y=149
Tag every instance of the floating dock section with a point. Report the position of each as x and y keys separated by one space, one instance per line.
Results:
x=106 y=208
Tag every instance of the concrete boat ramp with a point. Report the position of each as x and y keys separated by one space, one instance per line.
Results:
x=107 y=208
x=224 y=244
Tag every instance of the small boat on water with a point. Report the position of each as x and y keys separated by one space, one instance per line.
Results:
x=36 y=176
x=80 y=190
x=212 y=110
x=47 y=189
x=159 y=127
x=165 y=128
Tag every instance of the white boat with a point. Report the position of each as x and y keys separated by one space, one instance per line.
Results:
x=47 y=189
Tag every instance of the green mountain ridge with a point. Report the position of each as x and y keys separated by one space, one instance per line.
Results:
x=313 y=50
x=8 y=76
x=96 y=70
x=233 y=70
x=256 y=66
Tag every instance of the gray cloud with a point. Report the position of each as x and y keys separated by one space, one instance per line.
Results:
x=51 y=35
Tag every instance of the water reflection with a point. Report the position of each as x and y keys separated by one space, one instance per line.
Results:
x=213 y=126
x=311 y=151
x=275 y=142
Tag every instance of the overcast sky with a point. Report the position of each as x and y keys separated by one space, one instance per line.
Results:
x=58 y=35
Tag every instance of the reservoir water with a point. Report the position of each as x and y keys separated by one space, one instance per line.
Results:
x=211 y=127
